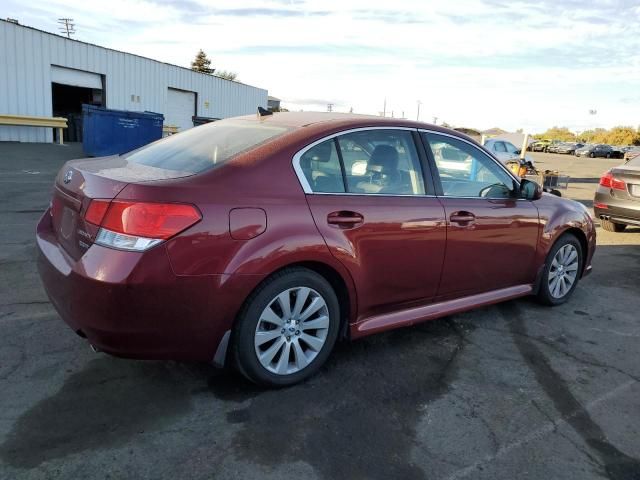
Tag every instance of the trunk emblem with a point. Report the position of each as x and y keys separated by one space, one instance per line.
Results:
x=68 y=176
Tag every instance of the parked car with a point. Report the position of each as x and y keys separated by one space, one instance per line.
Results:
x=617 y=199
x=592 y=151
x=541 y=145
x=552 y=148
x=505 y=151
x=568 y=148
x=617 y=151
x=260 y=241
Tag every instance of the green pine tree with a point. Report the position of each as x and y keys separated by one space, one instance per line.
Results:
x=202 y=63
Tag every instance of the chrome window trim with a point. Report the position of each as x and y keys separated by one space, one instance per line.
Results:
x=307 y=188
x=303 y=180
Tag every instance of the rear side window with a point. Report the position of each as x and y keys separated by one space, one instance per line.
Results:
x=381 y=162
x=499 y=147
x=205 y=147
x=321 y=167
x=373 y=162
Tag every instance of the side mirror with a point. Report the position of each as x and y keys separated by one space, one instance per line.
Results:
x=530 y=190
x=518 y=152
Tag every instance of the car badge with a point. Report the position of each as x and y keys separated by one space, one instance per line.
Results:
x=68 y=176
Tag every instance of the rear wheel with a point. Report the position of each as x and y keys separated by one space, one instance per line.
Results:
x=562 y=271
x=287 y=328
x=592 y=155
x=610 y=226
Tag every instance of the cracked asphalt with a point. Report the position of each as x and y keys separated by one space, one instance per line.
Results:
x=516 y=390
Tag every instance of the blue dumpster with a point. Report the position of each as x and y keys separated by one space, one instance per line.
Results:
x=110 y=132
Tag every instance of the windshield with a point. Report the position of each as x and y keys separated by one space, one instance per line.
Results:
x=204 y=147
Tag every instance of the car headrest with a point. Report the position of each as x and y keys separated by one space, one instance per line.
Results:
x=384 y=159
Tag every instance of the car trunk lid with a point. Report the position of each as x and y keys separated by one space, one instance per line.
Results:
x=81 y=181
x=630 y=174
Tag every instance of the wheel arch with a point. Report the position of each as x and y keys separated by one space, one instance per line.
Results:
x=343 y=287
x=337 y=282
x=584 y=243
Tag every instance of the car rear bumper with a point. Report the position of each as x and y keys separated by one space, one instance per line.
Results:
x=131 y=304
x=617 y=210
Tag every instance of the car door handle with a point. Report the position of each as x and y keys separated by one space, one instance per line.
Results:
x=345 y=219
x=462 y=218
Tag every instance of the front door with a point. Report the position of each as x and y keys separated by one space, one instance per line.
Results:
x=367 y=194
x=491 y=235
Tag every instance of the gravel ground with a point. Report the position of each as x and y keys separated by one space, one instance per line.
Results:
x=515 y=390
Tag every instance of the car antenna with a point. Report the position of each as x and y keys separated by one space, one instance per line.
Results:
x=263 y=112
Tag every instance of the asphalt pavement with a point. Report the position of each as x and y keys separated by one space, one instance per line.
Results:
x=516 y=390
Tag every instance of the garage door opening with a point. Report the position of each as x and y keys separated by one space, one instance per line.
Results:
x=69 y=90
x=67 y=102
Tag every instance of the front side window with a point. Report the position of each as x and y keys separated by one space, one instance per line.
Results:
x=511 y=148
x=380 y=162
x=465 y=171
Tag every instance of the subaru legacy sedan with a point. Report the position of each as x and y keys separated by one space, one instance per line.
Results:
x=260 y=241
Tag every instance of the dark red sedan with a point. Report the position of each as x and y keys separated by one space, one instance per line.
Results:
x=261 y=240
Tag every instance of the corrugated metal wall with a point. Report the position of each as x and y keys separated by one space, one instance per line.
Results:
x=26 y=56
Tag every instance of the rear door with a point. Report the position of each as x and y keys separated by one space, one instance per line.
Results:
x=491 y=236
x=369 y=199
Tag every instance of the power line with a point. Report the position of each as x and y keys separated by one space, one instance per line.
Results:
x=67 y=27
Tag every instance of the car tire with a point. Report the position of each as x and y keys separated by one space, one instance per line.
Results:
x=592 y=155
x=608 y=155
x=276 y=300
x=610 y=226
x=561 y=271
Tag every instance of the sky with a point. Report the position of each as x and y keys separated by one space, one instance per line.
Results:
x=472 y=63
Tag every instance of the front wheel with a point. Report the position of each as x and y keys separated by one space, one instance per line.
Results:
x=562 y=271
x=287 y=328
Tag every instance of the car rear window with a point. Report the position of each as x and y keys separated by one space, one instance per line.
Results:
x=205 y=147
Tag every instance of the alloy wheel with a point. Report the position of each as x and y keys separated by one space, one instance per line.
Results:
x=291 y=330
x=563 y=271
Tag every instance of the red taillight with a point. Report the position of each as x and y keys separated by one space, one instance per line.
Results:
x=608 y=181
x=95 y=212
x=142 y=219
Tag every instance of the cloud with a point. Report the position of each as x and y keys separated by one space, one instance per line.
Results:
x=482 y=63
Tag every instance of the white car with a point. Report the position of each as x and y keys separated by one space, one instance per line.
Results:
x=505 y=151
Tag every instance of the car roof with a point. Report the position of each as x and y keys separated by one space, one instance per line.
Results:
x=331 y=120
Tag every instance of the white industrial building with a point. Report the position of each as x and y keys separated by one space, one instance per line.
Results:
x=43 y=74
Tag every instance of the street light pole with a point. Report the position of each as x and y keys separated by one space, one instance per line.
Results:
x=418 y=115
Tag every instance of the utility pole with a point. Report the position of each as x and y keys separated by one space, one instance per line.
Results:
x=329 y=107
x=384 y=108
x=418 y=115
x=67 y=27
x=435 y=120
